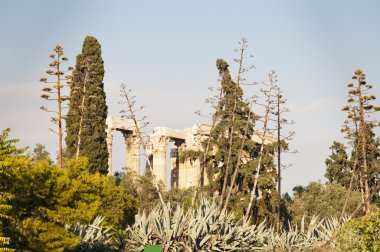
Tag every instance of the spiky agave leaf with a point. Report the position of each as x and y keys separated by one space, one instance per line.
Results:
x=202 y=229
x=93 y=236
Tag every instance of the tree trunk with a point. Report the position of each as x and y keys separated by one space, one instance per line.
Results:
x=265 y=128
x=238 y=163
x=82 y=113
x=364 y=147
x=278 y=161
x=59 y=117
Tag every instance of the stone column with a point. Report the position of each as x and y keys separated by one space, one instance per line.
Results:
x=132 y=143
x=174 y=163
x=159 y=158
x=109 y=148
x=185 y=175
x=205 y=177
x=196 y=172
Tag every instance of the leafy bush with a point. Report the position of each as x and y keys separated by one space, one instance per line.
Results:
x=323 y=200
x=361 y=234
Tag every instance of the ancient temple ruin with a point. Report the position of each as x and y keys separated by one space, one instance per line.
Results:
x=183 y=175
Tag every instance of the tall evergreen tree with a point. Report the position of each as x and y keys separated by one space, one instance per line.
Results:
x=86 y=119
x=232 y=119
x=373 y=161
x=234 y=154
x=338 y=165
x=359 y=107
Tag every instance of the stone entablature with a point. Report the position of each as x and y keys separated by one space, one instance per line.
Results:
x=183 y=175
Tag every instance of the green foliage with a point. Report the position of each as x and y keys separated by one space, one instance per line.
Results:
x=44 y=199
x=89 y=70
x=232 y=118
x=217 y=161
x=117 y=206
x=323 y=200
x=190 y=155
x=361 y=234
x=285 y=203
x=142 y=188
x=373 y=162
x=40 y=153
x=9 y=155
x=47 y=198
x=338 y=166
x=8 y=148
x=42 y=235
x=266 y=203
x=182 y=197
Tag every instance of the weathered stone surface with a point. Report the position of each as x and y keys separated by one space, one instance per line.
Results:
x=132 y=143
x=183 y=175
x=127 y=127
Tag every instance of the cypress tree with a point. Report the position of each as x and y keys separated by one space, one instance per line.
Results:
x=232 y=119
x=338 y=165
x=359 y=108
x=86 y=119
x=233 y=131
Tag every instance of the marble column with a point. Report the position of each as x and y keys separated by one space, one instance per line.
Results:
x=132 y=143
x=109 y=148
x=159 y=158
x=184 y=174
x=188 y=173
x=205 y=177
x=195 y=173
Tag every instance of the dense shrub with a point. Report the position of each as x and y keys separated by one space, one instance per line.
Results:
x=361 y=234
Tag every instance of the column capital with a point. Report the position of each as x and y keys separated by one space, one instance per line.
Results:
x=159 y=143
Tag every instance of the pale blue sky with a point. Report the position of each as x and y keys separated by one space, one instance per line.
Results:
x=166 y=51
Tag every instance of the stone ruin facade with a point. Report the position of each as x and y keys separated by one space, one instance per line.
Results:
x=183 y=175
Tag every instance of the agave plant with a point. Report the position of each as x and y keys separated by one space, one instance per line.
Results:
x=202 y=229
x=317 y=234
x=329 y=230
x=298 y=239
x=206 y=228
x=93 y=236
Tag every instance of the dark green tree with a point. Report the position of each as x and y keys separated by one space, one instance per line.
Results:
x=324 y=200
x=226 y=139
x=40 y=153
x=359 y=109
x=338 y=165
x=117 y=206
x=233 y=161
x=373 y=162
x=265 y=172
x=86 y=119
